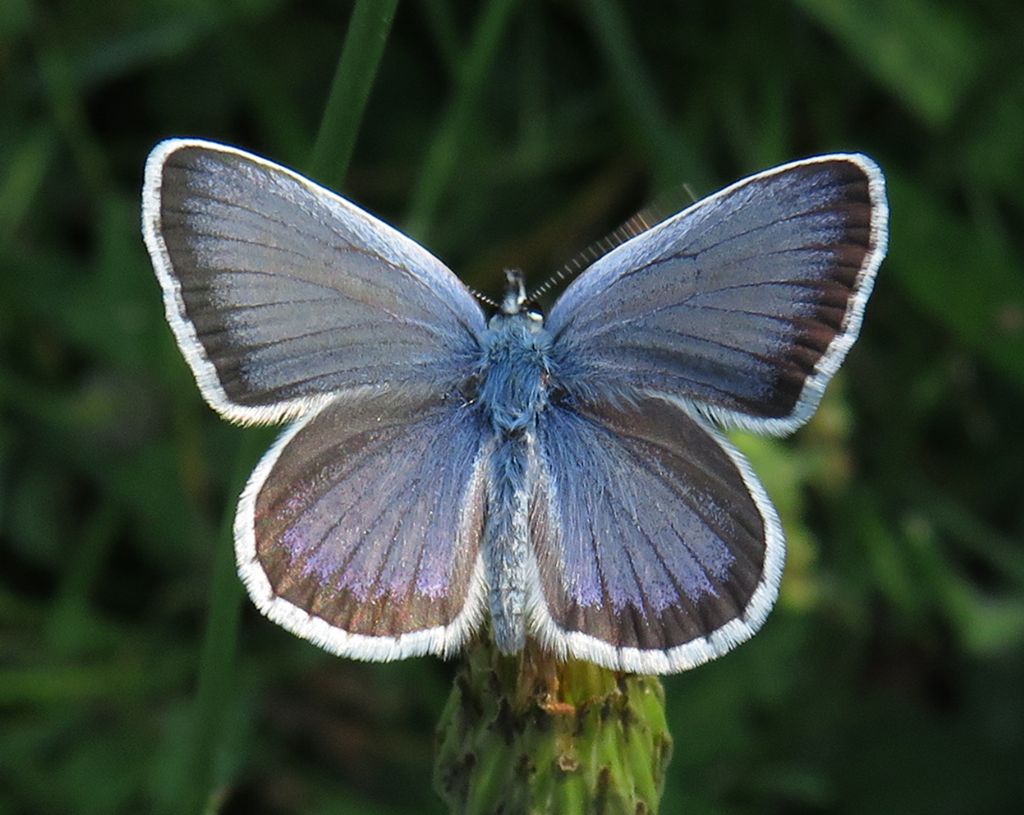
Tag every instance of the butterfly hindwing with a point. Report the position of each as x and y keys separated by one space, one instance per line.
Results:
x=280 y=291
x=360 y=529
x=743 y=305
x=655 y=547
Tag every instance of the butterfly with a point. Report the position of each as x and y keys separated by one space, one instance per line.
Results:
x=565 y=476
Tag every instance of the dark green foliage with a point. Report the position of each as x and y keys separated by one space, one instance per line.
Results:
x=510 y=134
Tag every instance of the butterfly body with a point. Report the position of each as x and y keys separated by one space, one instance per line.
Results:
x=562 y=476
x=513 y=379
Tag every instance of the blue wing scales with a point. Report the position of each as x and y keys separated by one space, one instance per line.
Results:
x=655 y=546
x=281 y=292
x=360 y=529
x=742 y=306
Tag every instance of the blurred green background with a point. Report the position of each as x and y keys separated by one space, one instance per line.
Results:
x=890 y=678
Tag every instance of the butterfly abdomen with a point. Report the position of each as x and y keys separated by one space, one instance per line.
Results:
x=505 y=542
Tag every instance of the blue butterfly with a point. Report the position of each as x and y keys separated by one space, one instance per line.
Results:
x=564 y=474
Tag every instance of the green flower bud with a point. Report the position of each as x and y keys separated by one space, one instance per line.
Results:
x=528 y=734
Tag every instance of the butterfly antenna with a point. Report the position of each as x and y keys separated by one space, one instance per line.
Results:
x=667 y=205
x=483 y=298
x=636 y=225
x=664 y=207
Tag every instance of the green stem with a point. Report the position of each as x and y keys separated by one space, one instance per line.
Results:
x=450 y=137
x=360 y=57
x=357 y=68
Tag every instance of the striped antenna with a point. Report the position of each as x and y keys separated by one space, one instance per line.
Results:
x=636 y=225
x=483 y=298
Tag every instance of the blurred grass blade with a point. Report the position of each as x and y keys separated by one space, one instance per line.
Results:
x=217 y=662
x=68 y=110
x=939 y=259
x=930 y=71
x=450 y=135
x=637 y=92
x=357 y=67
x=440 y=22
x=350 y=91
x=22 y=178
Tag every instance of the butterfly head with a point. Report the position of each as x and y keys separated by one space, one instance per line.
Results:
x=515 y=302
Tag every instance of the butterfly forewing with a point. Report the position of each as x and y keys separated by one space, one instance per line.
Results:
x=280 y=291
x=741 y=306
x=656 y=548
x=361 y=528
